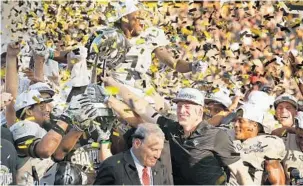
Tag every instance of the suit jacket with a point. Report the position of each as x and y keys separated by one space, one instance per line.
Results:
x=120 y=169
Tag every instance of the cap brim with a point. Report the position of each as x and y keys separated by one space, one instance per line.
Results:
x=288 y=101
x=176 y=100
x=49 y=91
x=209 y=100
x=47 y=100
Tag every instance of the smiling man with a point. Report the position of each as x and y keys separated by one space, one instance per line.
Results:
x=259 y=152
x=286 y=110
x=141 y=165
x=199 y=151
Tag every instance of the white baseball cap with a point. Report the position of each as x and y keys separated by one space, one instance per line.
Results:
x=42 y=88
x=222 y=96
x=286 y=98
x=191 y=95
x=260 y=98
x=123 y=8
x=28 y=98
x=252 y=112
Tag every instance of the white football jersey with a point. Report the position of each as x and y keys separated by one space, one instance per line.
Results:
x=24 y=174
x=255 y=150
x=27 y=128
x=138 y=58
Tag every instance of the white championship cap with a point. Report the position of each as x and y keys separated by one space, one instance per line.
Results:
x=28 y=98
x=42 y=88
x=262 y=99
x=252 y=112
x=222 y=96
x=191 y=95
x=286 y=98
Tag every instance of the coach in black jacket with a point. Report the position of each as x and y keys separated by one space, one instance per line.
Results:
x=140 y=165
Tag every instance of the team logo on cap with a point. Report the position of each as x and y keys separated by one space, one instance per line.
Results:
x=187 y=96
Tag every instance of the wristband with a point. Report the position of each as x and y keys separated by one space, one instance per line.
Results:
x=58 y=129
x=51 y=54
x=32 y=148
x=105 y=142
x=66 y=119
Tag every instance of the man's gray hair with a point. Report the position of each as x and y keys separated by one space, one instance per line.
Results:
x=148 y=129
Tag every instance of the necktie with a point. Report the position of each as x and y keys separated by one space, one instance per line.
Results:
x=145 y=177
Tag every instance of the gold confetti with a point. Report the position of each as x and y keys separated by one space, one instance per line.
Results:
x=95 y=145
x=95 y=47
x=111 y=90
x=2 y=73
x=116 y=133
x=140 y=41
x=154 y=68
x=272 y=111
x=150 y=91
x=185 y=31
x=36 y=99
x=216 y=90
x=207 y=35
x=186 y=83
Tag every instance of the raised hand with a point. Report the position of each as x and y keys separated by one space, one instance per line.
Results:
x=13 y=49
x=6 y=99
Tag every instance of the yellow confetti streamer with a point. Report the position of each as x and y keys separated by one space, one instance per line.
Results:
x=272 y=111
x=95 y=145
x=116 y=133
x=185 y=31
x=154 y=68
x=2 y=73
x=186 y=83
x=207 y=35
x=256 y=31
x=140 y=41
x=150 y=91
x=204 y=23
x=36 y=99
x=299 y=47
x=280 y=4
x=95 y=47
x=285 y=49
x=216 y=90
x=22 y=147
x=192 y=38
x=111 y=90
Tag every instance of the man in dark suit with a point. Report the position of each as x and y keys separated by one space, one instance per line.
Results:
x=141 y=164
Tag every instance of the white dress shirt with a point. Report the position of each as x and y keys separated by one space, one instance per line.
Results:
x=140 y=168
